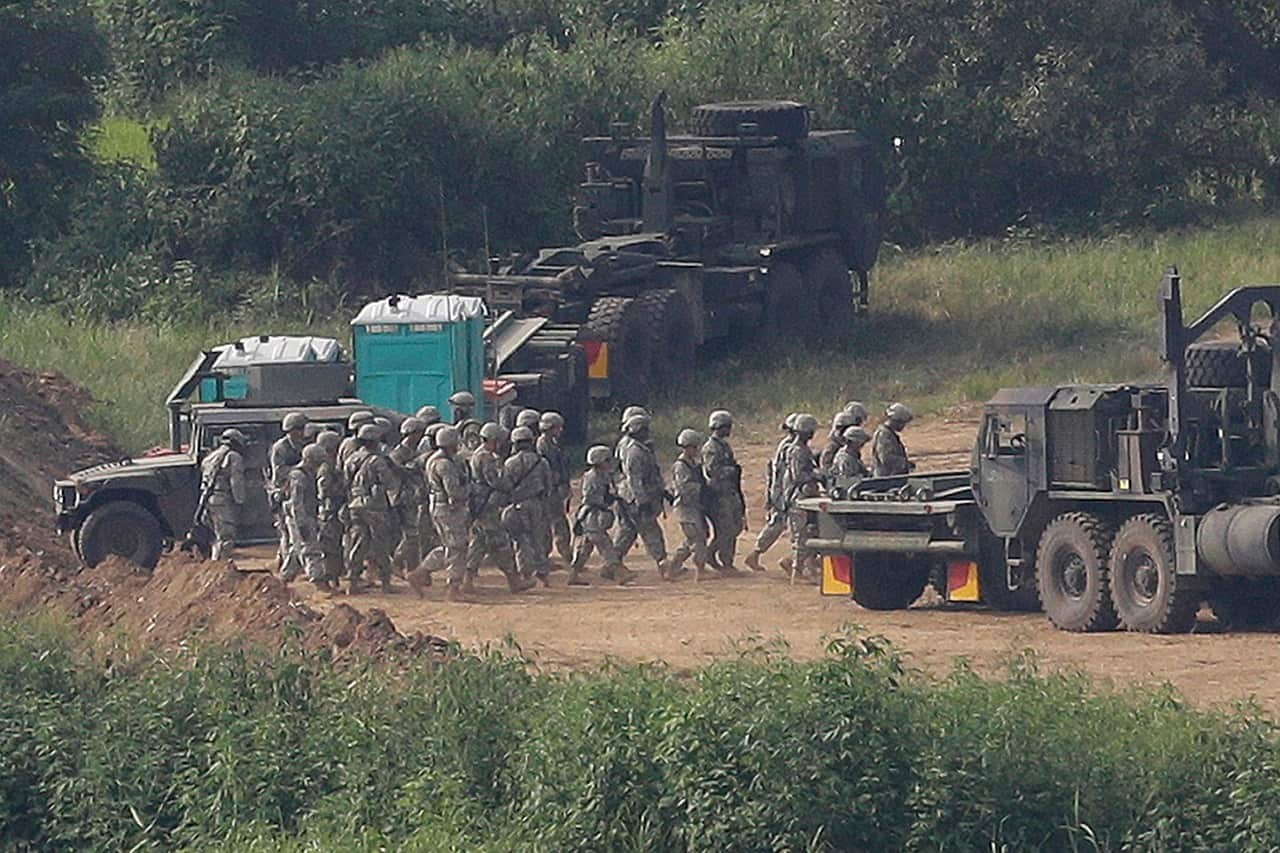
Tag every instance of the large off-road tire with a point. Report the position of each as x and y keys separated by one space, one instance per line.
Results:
x=888 y=581
x=1220 y=364
x=783 y=119
x=826 y=278
x=124 y=529
x=1148 y=594
x=668 y=322
x=789 y=308
x=1241 y=604
x=617 y=321
x=1072 y=574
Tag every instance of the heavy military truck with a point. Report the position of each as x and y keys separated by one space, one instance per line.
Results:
x=1121 y=505
x=138 y=507
x=751 y=224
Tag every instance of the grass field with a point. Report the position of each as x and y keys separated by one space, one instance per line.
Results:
x=118 y=139
x=948 y=324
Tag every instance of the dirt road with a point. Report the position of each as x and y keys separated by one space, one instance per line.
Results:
x=686 y=624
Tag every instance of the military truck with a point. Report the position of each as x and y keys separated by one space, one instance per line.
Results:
x=136 y=508
x=1120 y=505
x=751 y=224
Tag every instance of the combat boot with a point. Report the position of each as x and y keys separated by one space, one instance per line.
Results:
x=469 y=583
x=455 y=592
x=419 y=580
x=323 y=586
x=385 y=584
x=729 y=572
x=608 y=573
x=576 y=578
x=518 y=584
x=753 y=562
x=355 y=586
x=622 y=575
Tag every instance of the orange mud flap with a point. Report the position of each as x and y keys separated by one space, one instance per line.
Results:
x=837 y=575
x=962 y=581
x=597 y=367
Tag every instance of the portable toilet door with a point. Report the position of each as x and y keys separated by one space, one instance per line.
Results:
x=416 y=351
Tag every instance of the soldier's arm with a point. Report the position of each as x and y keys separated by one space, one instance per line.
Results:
x=235 y=473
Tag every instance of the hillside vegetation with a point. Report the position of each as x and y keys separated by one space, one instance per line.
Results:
x=948 y=324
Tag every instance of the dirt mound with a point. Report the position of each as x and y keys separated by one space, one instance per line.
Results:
x=184 y=599
x=43 y=436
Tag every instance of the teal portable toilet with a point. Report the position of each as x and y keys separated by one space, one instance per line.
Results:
x=414 y=351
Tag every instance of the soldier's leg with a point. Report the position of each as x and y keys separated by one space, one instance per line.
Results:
x=292 y=564
x=223 y=522
x=407 y=555
x=798 y=525
x=312 y=554
x=331 y=549
x=560 y=530
x=728 y=530
x=383 y=534
x=503 y=555
x=626 y=534
x=428 y=537
x=651 y=533
x=773 y=528
x=694 y=545
x=453 y=535
x=529 y=557
x=358 y=545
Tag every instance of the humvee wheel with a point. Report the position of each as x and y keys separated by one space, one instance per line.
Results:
x=888 y=581
x=124 y=529
x=1148 y=594
x=826 y=278
x=1071 y=573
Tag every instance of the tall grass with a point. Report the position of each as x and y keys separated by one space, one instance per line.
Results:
x=234 y=748
x=116 y=139
x=948 y=324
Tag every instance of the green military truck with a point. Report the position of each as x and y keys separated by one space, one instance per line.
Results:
x=752 y=225
x=1121 y=505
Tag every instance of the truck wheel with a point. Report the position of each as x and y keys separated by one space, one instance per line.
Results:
x=1148 y=594
x=888 y=581
x=668 y=323
x=783 y=119
x=1220 y=364
x=124 y=529
x=789 y=309
x=1246 y=603
x=1071 y=573
x=826 y=278
x=615 y=320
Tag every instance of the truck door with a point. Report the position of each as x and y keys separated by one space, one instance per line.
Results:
x=1003 y=482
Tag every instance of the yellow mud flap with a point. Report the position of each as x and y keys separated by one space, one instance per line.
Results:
x=837 y=575
x=962 y=581
x=597 y=359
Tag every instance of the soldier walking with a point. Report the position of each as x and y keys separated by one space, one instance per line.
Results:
x=888 y=455
x=284 y=455
x=847 y=463
x=333 y=498
x=302 y=515
x=642 y=492
x=726 y=503
x=525 y=519
x=801 y=480
x=689 y=485
x=407 y=500
x=370 y=481
x=222 y=492
x=595 y=519
x=551 y=425
x=490 y=495
x=450 y=489
x=776 y=522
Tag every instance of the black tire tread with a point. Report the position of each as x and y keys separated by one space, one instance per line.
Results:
x=668 y=326
x=784 y=119
x=827 y=280
x=1179 y=616
x=1103 y=614
x=1220 y=364
x=613 y=320
x=887 y=582
x=121 y=512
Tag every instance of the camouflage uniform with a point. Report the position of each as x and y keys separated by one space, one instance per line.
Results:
x=724 y=485
x=491 y=492
x=370 y=482
x=450 y=489
x=302 y=517
x=285 y=454
x=333 y=499
x=888 y=455
x=595 y=517
x=848 y=464
x=222 y=493
x=688 y=483
x=800 y=481
x=776 y=522
x=641 y=489
x=557 y=504
x=530 y=479
x=406 y=503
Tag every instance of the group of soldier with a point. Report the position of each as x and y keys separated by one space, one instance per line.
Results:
x=432 y=496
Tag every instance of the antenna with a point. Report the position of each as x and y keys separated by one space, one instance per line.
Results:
x=444 y=235
x=488 y=252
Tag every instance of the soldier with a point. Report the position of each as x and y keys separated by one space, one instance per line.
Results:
x=858 y=411
x=726 y=504
x=595 y=518
x=526 y=519
x=529 y=418
x=222 y=492
x=800 y=480
x=551 y=426
x=835 y=440
x=848 y=461
x=450 y=489
x=428 y=415
x=302 y=515
x=370 y=482
x=490 y=494
x=776 y=522
x=428 y=538
x=642 y=492
x=285 y=453
x=689 y=485
x=463 y=404
x=333 y=498
x=407 y=499
x=350 y=444
x=888 y=456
